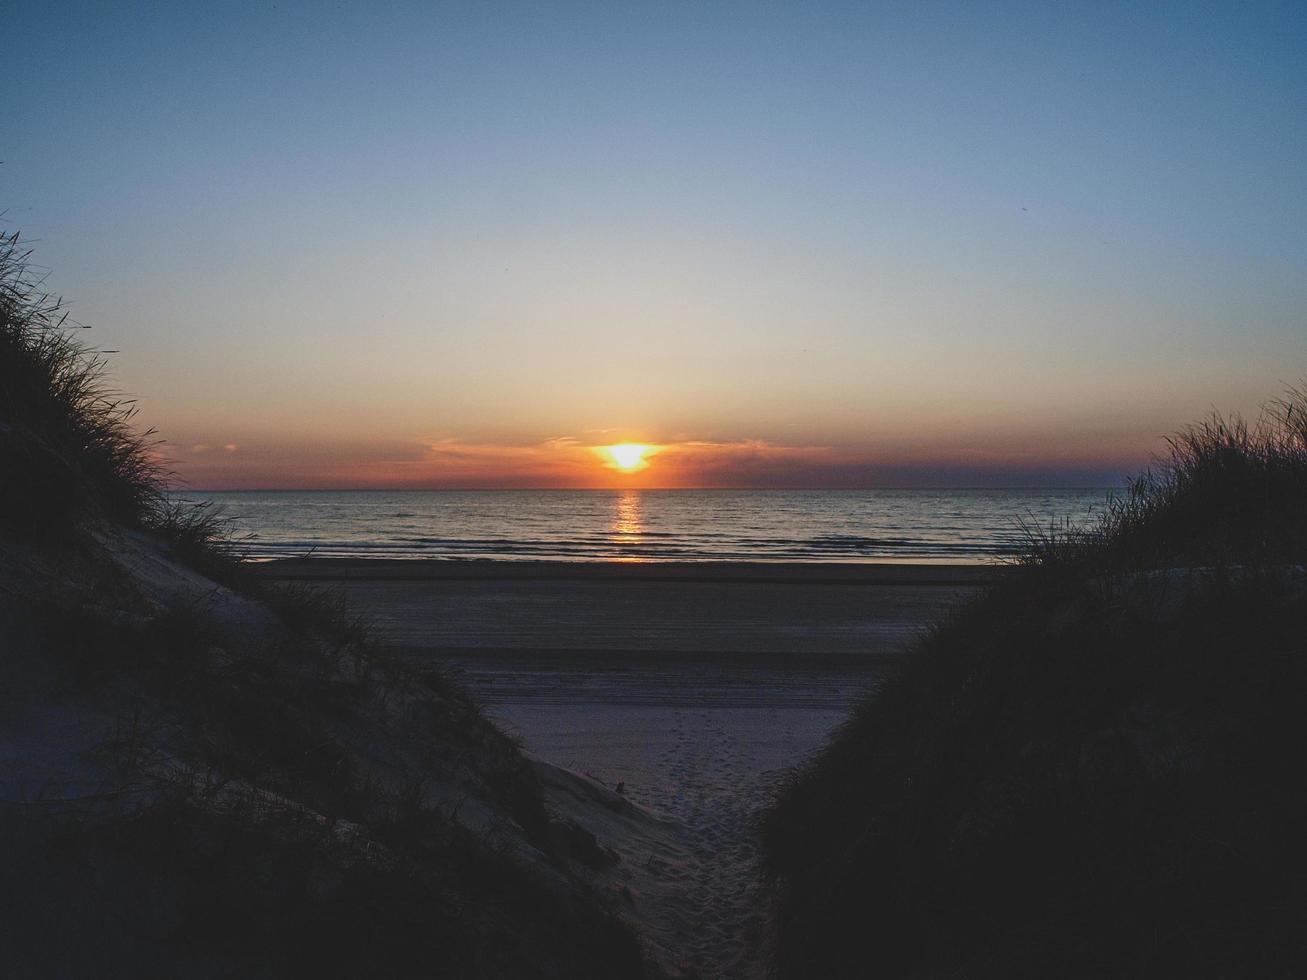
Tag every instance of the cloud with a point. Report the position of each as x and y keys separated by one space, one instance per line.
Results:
x=567 y=462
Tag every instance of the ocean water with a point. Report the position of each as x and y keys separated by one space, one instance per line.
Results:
x=649 y=525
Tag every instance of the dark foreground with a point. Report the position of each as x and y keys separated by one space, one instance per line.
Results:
x=695 y=687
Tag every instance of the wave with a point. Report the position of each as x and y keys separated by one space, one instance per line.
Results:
x=695 y=526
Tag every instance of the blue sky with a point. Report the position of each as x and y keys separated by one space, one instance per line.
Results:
x=997 y=240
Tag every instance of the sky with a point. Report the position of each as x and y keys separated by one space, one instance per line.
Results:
x=806 y=244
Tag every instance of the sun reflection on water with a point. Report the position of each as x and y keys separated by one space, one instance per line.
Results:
x=627 y=528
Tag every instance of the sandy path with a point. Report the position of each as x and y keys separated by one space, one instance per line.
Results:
x=708 y=769
x=695 y=693
x=703 y=743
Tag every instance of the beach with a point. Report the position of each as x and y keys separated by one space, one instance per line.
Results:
x=691 y=688
x=542 y=641
x=651 y=491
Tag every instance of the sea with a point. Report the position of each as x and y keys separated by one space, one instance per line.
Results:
x=650 y=525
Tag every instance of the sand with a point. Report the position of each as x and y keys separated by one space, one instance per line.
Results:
x=692 y=689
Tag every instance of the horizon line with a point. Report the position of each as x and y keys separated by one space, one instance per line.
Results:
x=732 y=489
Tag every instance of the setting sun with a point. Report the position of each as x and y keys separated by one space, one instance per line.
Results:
x=629 y=457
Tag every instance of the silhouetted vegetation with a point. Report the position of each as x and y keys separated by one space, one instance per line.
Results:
x=222 y=777
x=1093 y=770
x=1228 y=493
x=68 y=441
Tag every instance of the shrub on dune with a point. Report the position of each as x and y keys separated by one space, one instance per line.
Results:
x=1093 y=770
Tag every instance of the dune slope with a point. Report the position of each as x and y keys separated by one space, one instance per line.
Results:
x=204 y=775
x=1093 y=770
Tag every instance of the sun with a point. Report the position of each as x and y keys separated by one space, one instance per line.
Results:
x=629 y=457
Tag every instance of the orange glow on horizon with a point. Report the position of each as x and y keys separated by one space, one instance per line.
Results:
x=567 y=462
x=628 y=457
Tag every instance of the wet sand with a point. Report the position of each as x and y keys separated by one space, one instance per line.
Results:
x=694 y=687
x=788 y=612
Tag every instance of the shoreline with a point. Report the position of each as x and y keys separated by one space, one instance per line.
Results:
x=871 y=573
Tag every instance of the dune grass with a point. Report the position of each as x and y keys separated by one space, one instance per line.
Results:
x=70 y=452
x=1094 y=769
x=67 y=430
x=278 y=799
x=1228 y=492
